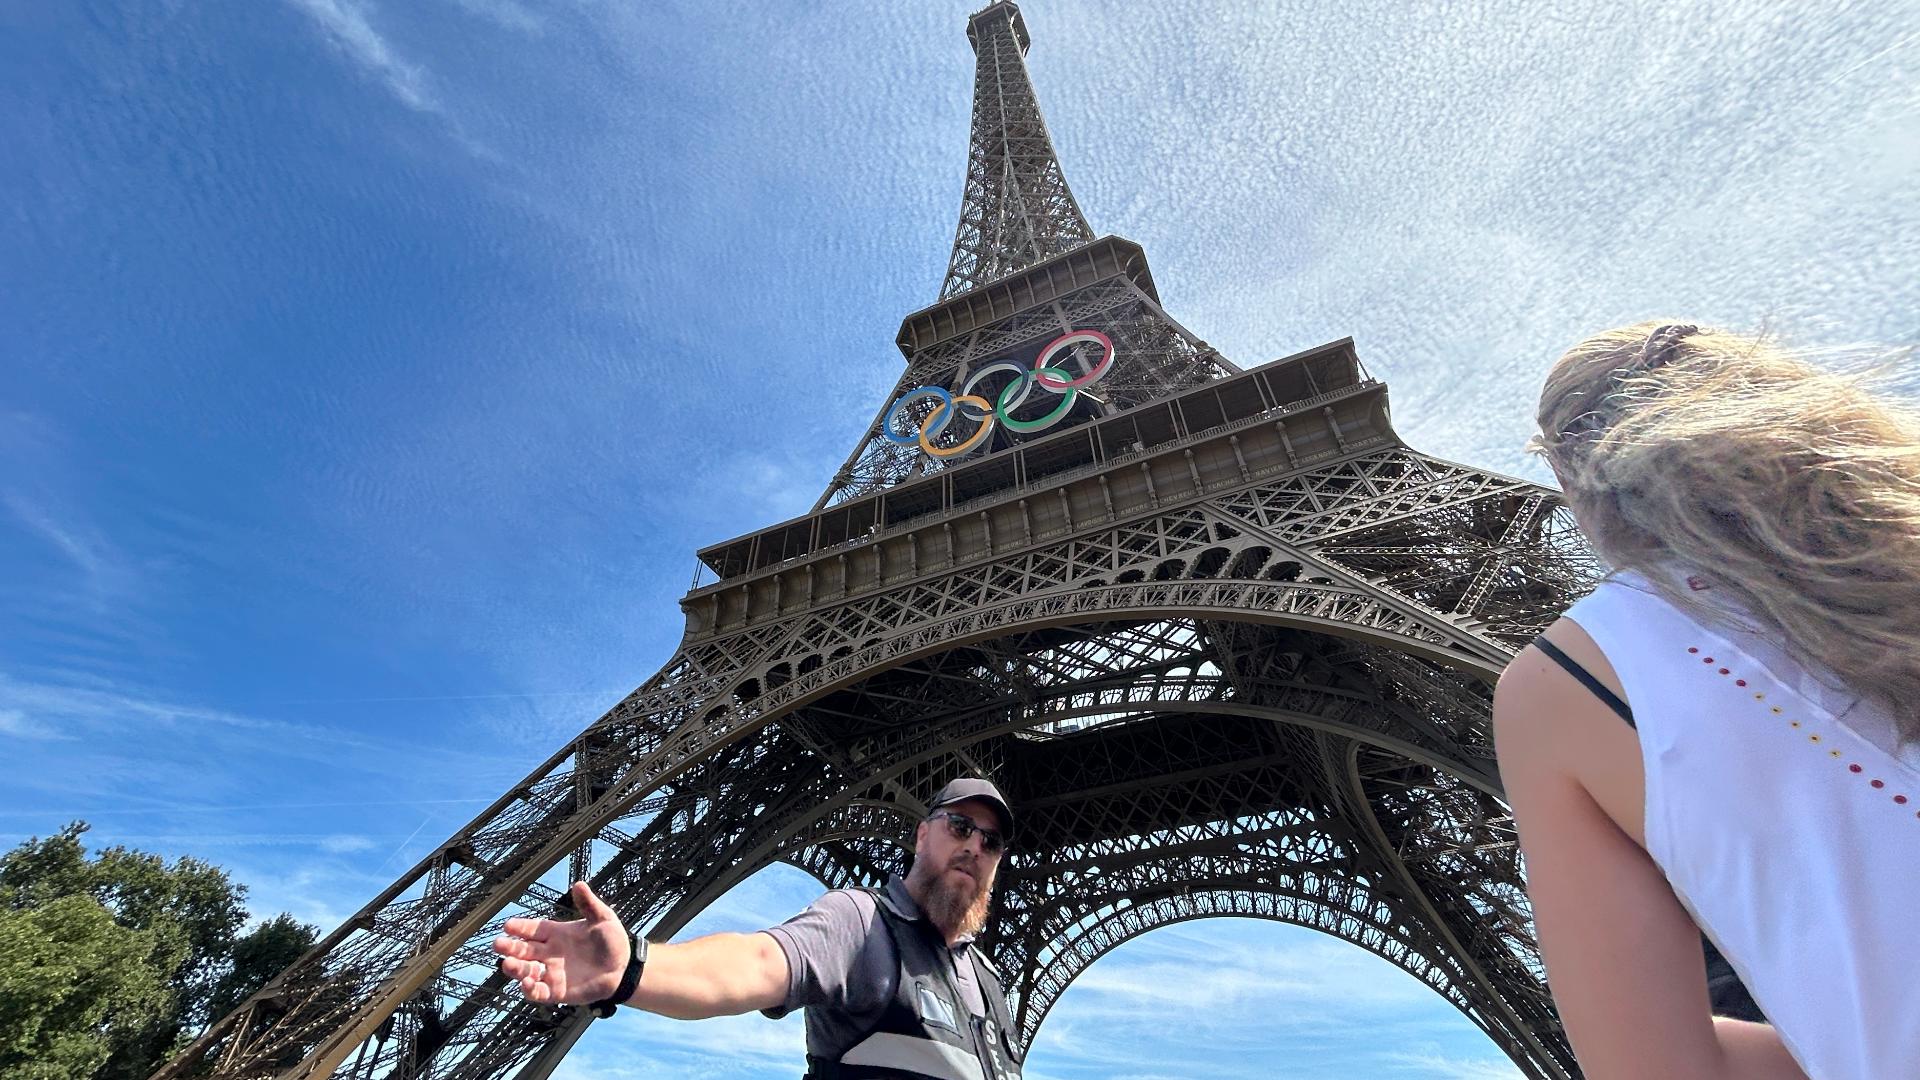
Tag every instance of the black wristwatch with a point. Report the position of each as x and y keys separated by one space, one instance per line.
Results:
x=629 y=981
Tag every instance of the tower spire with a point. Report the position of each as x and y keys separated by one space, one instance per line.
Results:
x=1228 y=642
x=1017 y=209
x=1027 y=276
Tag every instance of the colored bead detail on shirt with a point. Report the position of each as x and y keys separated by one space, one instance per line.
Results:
x=1876 y=783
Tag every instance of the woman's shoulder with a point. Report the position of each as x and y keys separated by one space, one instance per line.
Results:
x=1548 y=726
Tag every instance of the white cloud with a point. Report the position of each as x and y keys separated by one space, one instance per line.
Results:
x=1460 y=195
x=15 y=722
x=104 y=707
x=504 y=13
x=1231 y=997
x=319 y=894
x=85 y=552
x=346 y=25
x=107 y=704
x=1433 y=1065
x=738 y=1037
x=1328 y=974
x=724 y=1048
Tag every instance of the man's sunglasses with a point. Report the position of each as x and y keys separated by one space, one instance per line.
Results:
x=962 y=826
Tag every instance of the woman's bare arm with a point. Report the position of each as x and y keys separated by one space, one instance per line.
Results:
x=1622 y=954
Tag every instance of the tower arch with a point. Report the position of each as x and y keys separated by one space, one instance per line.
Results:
x=1224 y=639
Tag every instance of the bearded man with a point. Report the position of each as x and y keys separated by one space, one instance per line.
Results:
x=892 y=985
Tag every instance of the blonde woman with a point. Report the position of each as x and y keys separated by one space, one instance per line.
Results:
x=1726 y=733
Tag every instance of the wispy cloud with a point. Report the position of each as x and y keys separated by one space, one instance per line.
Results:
x=1434 y=1065
x=104 y=810
x=347 y=26
x=400 y=848
x=88 y=552
x=506 y=404
x=14 y=722
x=1330 y=974
x=724 y=1048
x=1231 y=998
x=729 y=1036
x=91 y=706
x=148 y=750
x=321 y=892
x=504 y=13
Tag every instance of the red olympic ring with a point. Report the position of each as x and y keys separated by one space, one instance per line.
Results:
x=1075 y=338
x=985 y=412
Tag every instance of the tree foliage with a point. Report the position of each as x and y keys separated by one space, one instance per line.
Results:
x=109 y=965
x=74 y=986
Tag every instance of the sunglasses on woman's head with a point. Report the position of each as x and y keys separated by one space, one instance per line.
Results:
x=961 y=826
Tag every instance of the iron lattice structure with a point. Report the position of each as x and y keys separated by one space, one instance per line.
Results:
x=1223 y=638
x=1017 y=209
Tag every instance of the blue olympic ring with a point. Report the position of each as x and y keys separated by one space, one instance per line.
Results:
x=1000 y=410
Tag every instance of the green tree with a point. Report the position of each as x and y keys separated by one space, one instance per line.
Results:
x=260 y=955
x=74 y=986
x=109 y=965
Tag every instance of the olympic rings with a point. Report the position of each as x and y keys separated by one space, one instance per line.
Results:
x=977 y=408
x=1021 y=379
x=1004 y=411
x=1075 y=338
x=937 y=420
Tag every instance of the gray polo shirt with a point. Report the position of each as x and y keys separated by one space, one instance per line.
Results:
x=842 y=967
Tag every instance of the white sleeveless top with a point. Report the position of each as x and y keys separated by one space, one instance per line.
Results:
x=1787 y=818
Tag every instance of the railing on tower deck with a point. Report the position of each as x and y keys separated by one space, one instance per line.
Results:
x=1056 y=479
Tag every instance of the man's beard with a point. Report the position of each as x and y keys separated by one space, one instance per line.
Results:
x=957 y=907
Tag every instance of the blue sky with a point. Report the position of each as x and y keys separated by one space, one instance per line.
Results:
x=370 y=370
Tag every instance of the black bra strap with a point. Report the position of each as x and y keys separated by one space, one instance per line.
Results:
x=1607 y=697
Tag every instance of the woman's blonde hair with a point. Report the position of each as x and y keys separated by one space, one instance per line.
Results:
x=1793 y=491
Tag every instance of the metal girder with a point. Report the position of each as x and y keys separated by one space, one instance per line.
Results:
x=1017 y=209
x=1229 y=655
x=1066 y=657
x=1164 y=357
x=1199 y=609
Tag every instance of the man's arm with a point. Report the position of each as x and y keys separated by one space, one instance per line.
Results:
x=580 y=961
x=716 y=975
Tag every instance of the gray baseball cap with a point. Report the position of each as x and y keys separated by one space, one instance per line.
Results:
x=973 y=788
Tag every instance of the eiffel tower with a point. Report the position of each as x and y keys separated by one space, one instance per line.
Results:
x=1223 y=638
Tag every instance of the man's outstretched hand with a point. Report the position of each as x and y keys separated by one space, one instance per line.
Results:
x=571 y=963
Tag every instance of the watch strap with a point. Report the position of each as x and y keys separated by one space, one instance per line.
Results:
x=629 y=979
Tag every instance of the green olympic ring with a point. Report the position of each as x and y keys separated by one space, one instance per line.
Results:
x=978 y=409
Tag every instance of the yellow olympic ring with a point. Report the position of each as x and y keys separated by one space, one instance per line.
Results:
x=932 y=423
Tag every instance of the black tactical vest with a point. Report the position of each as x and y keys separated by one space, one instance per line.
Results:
x=926 y=1033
